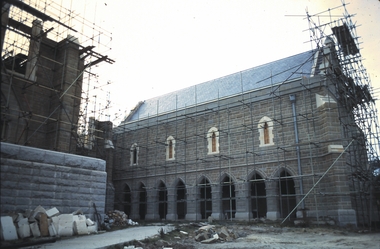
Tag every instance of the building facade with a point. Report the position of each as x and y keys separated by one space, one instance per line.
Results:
x=244 y=146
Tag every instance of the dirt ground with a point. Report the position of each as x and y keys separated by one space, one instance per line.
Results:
x=266 y=236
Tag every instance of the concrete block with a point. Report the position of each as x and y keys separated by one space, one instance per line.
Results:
x=35 y=229
x=65 y=225
x=8 y=229
x=23 y=230
x=80 y=227
x=52 y=212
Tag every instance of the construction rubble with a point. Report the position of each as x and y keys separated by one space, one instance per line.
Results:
x=51 y=223
x=45 y=223
x=210 y=234
x=118 y=218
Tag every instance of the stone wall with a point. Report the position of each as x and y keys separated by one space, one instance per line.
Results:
x=32 y=177
x=241 y=156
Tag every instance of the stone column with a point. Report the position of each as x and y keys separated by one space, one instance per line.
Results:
x=193 y=209
x=172 y=204
x=242 y=203
x=273 y=211
x=216 y=203
x=152 y=205
x=135 y=205
x=4 y=22
x=34 y=50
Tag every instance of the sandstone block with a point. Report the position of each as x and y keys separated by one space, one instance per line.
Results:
x=44 y=225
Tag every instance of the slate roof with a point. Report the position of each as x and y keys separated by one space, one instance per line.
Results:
x=254 y=78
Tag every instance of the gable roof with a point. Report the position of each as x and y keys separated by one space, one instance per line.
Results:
x=254 y=78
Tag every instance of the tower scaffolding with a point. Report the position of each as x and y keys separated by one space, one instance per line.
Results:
x=50 y=58
x=353 y=90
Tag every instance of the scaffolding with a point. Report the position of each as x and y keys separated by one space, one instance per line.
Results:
x=244 y=173
x=353 y=90
x=33 y=33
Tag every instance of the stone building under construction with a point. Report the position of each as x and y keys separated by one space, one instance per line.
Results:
x=284 y=140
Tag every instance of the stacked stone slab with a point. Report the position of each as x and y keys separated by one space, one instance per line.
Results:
x=45 y=223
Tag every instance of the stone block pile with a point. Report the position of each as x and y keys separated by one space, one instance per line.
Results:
x=45 y=223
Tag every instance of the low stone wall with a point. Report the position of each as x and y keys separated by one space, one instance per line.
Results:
x=31 y=177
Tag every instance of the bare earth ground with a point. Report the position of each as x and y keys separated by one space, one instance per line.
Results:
x=266 y=236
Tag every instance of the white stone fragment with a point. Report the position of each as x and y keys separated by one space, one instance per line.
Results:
x=55 y=222
x=80 y=227
x=52 y=212
x=23 y=221
x=8 y=229
x=89 y=222
x=51 y=228
x=65 y=225
x=93 y=229
x=24 y=230
x=35 y=229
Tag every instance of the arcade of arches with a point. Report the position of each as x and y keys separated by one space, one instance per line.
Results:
x=256 y=197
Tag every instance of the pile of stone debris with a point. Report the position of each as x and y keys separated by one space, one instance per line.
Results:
x=45 y=223
x=118 y=218
x=211 y=234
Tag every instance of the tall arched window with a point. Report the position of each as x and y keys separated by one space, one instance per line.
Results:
x=134 y=152
x=265 y=128
x=170 y=148
x=213 y=141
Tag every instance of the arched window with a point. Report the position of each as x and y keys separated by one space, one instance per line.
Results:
x=134 y=152
x=213 y=141
x=170 y=148
x=265 y=128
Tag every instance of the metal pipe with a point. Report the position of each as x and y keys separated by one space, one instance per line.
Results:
x=293 y=101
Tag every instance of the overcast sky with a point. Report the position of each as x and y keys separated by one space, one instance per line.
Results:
x=164 y=45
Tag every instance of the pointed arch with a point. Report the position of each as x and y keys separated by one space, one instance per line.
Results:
x=213 y=141
x=134 y=154
x=228 y=196
x=286 y=192
x=265 y=128
x=127 y=199
x=142 y=201
x=205 y=197
x=162 y=200
x=257 y=194
x=181 y=193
